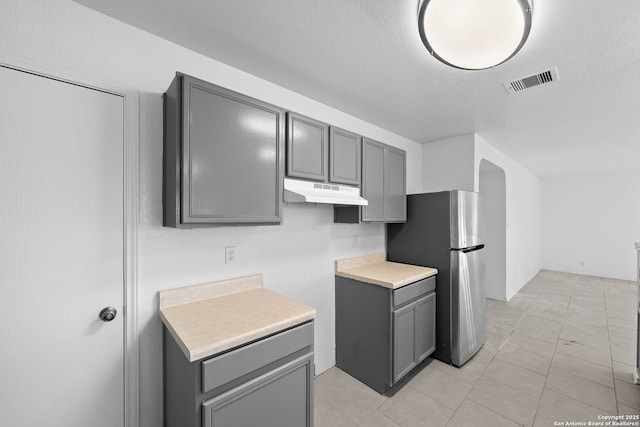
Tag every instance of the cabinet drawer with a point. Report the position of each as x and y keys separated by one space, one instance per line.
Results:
x=412 y=291
x=243 y=361
x=282 y=397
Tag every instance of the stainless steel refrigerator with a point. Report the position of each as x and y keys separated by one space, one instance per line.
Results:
x=444 y=230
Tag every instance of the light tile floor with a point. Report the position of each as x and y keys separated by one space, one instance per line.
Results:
x=562 y=349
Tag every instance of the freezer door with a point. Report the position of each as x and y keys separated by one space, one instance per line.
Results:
x=466 y=226
x=467 y=305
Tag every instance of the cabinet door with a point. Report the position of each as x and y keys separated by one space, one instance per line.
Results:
x=404 y=340
x=425 y=326
x=396 y=194
x=373 y=180
x=344 y=160
x=232 y=154
x=307 y=148
x=282 y=397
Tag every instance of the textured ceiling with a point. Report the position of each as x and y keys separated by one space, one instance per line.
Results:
x=365 y=57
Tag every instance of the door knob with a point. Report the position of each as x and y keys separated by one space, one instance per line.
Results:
x=107 y=314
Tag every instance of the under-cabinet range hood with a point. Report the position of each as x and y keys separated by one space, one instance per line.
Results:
x=318 y=192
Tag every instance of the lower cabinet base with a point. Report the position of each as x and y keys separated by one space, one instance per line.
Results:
x=384 y=335
x=401 y=383
x=386 y=389
x=266 y=383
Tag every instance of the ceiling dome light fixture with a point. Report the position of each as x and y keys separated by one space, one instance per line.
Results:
x=474 y=34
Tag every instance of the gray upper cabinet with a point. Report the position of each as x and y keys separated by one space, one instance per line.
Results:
x=344 y=152
x=373 y=180
x=307 y=148
x=223 y=156
x=396 y=193
x=383 y=182
x=319 y=152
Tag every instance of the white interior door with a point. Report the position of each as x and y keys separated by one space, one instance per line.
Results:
x=61 y=253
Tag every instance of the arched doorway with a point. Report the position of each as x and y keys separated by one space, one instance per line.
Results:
x=494 y=209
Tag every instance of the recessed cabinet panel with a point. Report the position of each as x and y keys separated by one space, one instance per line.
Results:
x=426 y=334
x=344 y=151
x=404 y=337
x=223 y=156
x=383 y=185
x=307 y=148
x=396 y=194
x=231 y=159
x=280 y=398
x=373 y=180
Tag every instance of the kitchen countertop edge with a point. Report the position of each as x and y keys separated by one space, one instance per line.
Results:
x=180 y=321
x=383 y=273
x=240 y=340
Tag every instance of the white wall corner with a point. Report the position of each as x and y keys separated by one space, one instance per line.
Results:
x=523 y=215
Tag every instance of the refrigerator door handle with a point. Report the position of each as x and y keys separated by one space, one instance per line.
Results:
x=472 y=248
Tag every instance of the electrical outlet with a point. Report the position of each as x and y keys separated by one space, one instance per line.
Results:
x=230 y=255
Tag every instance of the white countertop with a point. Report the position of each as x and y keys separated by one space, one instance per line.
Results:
x=375 y=269
x=213 y=317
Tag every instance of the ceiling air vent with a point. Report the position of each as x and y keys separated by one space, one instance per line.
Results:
x=543 y=77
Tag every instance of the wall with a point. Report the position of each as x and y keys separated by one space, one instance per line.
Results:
x=590 y=224
x=448 y=164
x=494 y=208
x=296 y=257
x=524 y=216
x=523 y=198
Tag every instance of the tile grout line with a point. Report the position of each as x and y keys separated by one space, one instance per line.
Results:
x=347 y=416
x=546 y=377
x=578 y=357
x=467 y=396
x=521 y=367
x=482 y=374
x=500 y=415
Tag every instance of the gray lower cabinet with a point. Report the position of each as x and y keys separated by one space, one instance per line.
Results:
x=382 y=334
x=414 y=335
x=383 y=185
x=307 y=148
x=267 y=383
x=223 y=156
